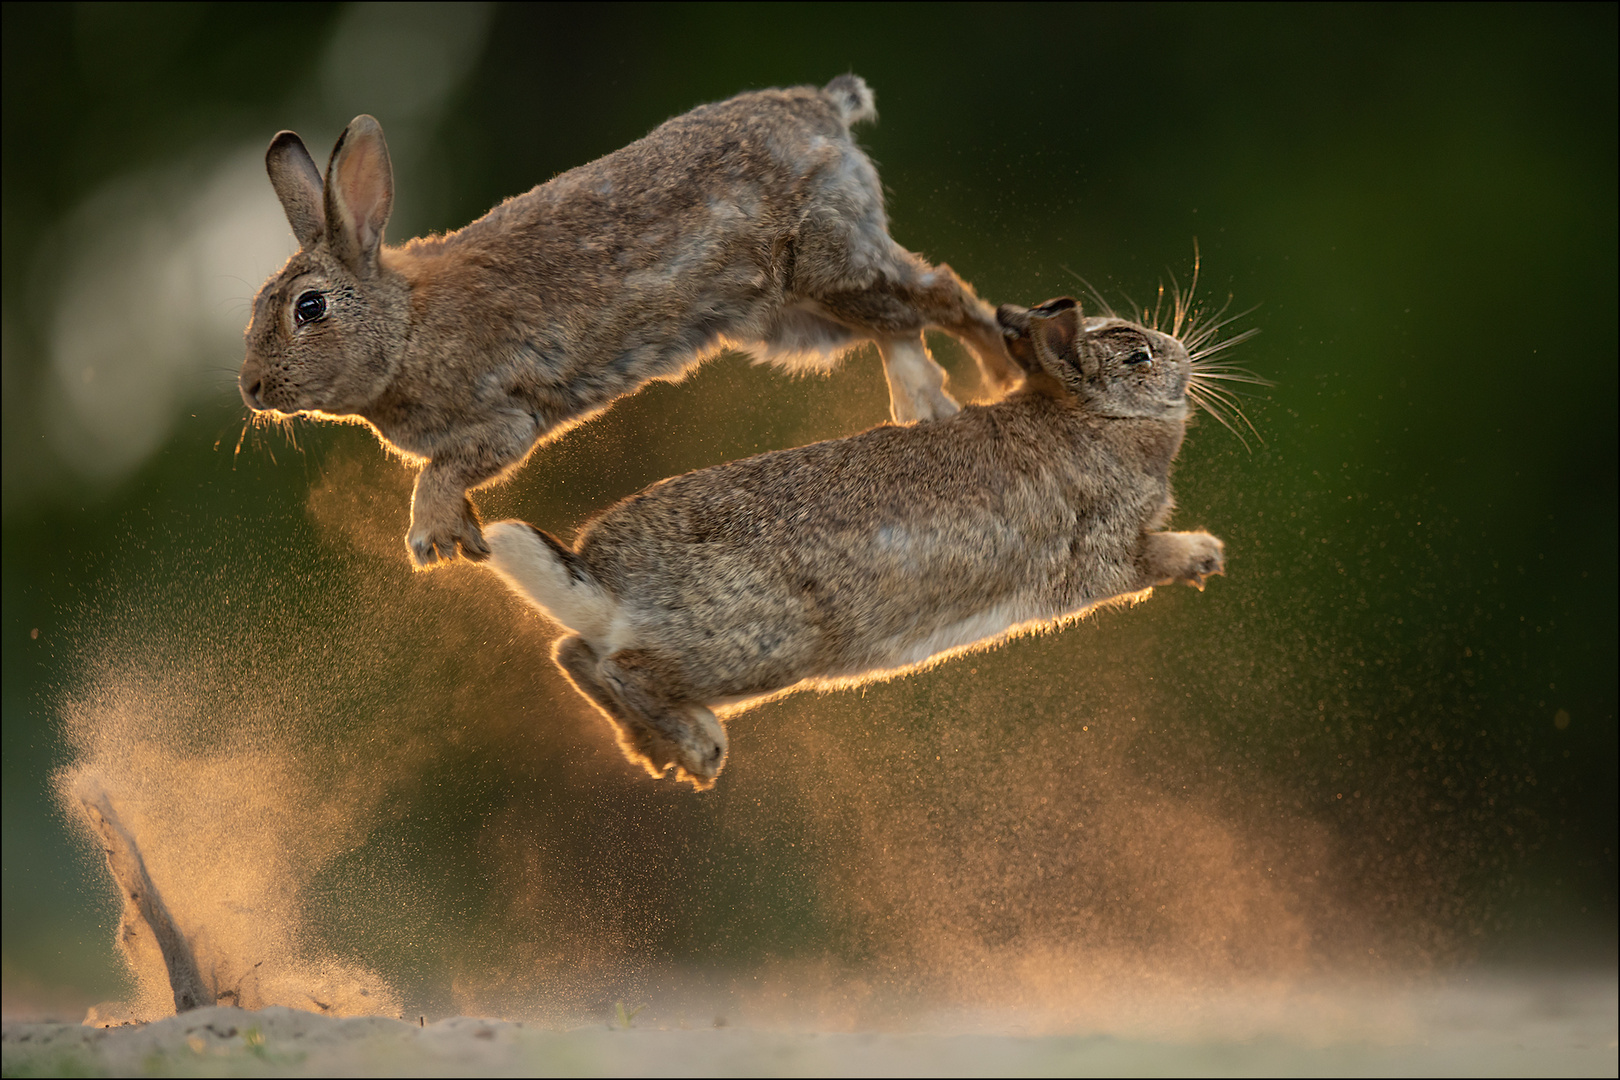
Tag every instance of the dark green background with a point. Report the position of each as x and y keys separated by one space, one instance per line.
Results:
x=1420 y=200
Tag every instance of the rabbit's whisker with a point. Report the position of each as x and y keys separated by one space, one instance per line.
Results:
x=1218 y=397
x=1224 y=408
x=1237 y=376
x=1192 y=289
x=1203 y=364
x=1102 y=303
x=1216 y=383
x=1205 y=325
x=1207 y=357
x=1214 y=393
x=1220 y=416
x=1135 y=312
x=1214 y=380
x=1195 y=343
x=1178 y=306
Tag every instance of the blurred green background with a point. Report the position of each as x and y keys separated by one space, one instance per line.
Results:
x=1389 y=732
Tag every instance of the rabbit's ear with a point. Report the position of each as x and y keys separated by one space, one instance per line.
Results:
x=298 y=185
x=1015 y=327
x=1056 y=329
x=359 y=194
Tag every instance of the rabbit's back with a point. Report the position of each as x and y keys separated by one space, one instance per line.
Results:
x=638 y=264
x=693 y=194
x=867 y=553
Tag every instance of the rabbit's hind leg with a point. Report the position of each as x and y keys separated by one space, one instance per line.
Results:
x=670 y=728
x=802 y=341
x=943 y=299
x=948 y=302
x=583 y=668
x=655 y=729
x=909 y=294
x=916 y=382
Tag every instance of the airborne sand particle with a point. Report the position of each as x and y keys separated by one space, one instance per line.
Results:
x=379 y=784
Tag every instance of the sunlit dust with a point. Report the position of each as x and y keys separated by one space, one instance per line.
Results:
x=1060 y=855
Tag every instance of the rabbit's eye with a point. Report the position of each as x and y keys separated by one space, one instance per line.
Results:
x=309 y=307
x=1139 y=355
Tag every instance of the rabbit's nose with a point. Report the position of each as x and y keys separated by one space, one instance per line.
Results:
x=250 y=394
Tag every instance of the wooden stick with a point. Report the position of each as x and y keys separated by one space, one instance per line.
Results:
x=141 y=900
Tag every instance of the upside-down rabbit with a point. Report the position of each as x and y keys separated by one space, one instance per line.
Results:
x=851 y=559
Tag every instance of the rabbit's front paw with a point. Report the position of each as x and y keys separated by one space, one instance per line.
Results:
x=701 y=750
x=1205 y=556
x=438 y=532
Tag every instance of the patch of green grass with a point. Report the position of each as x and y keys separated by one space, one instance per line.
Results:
x=51 y=1063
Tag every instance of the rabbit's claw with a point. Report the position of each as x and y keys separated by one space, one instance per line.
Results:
x=472 y=543
x=435 y=539
x=701 y=753
x=1206 y=557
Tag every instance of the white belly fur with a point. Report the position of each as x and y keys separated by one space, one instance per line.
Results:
x=901 y=656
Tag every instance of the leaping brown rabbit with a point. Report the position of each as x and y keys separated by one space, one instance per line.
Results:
x=849 y=560
x=754 y=224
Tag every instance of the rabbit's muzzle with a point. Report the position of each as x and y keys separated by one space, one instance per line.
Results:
x=251 y=387
x=260 y=386
x=250 y=381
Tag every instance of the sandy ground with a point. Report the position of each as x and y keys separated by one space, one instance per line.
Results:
x=1524 y=1027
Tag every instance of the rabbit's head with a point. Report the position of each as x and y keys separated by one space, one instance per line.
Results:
x=327 y=329
x=1113 y=367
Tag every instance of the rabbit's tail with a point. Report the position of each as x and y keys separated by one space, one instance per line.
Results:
x=535 y=565
x=852 y=98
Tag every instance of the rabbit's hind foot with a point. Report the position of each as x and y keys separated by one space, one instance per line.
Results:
x=633 y=689
x=916 y=382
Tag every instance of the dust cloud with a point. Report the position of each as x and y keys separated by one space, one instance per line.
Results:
x=363 y=790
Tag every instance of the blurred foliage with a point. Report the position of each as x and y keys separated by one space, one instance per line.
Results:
x=1412 y=657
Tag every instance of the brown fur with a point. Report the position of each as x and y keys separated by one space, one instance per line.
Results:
x=755 y=223
x=860 y=557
